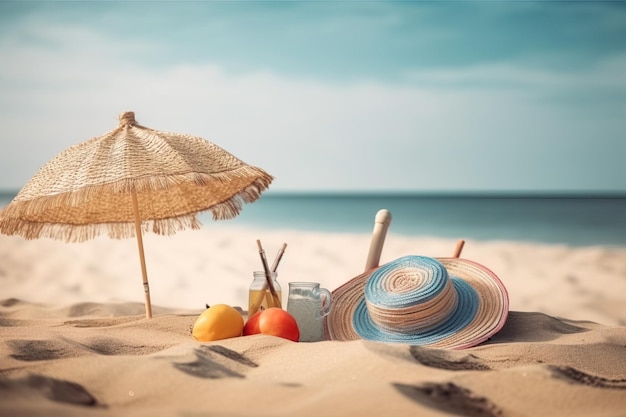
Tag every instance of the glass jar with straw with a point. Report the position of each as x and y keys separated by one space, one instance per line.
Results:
x=265 y=291
x=259 y=295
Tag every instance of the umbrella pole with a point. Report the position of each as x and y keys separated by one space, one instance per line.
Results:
x=142 y=257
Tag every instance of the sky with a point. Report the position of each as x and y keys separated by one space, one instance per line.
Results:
x=470 y=96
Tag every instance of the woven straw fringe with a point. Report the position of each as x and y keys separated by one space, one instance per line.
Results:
x=81 y=233
x=27 y=218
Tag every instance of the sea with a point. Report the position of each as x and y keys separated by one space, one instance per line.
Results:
x=573 y=220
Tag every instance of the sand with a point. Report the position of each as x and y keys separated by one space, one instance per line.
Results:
x=75 y=340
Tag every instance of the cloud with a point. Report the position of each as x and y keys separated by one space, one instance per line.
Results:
x=477 y=127
x=603 y=76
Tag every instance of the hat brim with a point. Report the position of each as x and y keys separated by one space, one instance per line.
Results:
x=483 y=312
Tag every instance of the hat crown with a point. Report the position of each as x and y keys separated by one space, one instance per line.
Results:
x=414 y=294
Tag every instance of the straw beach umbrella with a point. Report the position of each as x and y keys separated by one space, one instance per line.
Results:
x=130 y=181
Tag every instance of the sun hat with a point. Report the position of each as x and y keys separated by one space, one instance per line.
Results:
x=449 y=303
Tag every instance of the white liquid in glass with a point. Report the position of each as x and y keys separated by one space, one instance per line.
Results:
x=306 y=312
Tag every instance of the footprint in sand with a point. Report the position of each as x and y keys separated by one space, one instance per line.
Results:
x=39 y=350
x=54 y=389
x=579 y=377
x=231 y=354
x=450 y=398
x=207 y=363
x=10 y=302
x=448 y=360
x=110 y=347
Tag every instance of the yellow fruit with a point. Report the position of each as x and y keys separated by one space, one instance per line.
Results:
x=218 y=322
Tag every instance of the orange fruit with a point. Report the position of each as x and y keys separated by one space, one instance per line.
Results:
x=218 y=322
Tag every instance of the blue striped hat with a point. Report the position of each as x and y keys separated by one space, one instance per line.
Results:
x=444 y=302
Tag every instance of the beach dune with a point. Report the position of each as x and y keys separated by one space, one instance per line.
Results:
x=107 y=359
x=75 y=340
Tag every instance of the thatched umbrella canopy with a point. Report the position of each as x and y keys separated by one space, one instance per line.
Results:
x=132 y=180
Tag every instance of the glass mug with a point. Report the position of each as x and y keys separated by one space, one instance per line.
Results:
x=308 y=304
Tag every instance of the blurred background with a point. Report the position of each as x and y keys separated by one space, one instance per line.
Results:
x=493 y=120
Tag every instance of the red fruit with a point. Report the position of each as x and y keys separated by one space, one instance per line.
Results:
x=274 y=322
x=252 y=325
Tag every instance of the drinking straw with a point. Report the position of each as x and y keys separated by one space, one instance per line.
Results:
x=381 y=224
x=279 y=256
x=259 y=298
x=459 y=248
x=268 y=276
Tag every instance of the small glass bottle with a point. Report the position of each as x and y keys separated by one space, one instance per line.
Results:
x=259 y=295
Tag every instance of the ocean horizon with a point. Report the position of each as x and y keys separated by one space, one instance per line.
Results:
x=572 y=219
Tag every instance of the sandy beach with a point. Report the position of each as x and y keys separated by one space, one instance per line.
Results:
x=75 y=340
